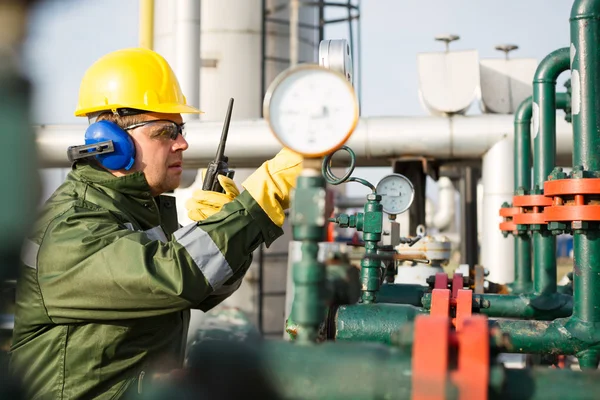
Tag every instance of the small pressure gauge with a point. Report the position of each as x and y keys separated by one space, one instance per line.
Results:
x=397 y=193
x=311 y=110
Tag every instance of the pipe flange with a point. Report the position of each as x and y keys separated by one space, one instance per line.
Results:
x=507 y=225
x=531 y=208
x=440 y=357
x=575 y=202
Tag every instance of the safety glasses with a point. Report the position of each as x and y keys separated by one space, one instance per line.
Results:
x=168 y=129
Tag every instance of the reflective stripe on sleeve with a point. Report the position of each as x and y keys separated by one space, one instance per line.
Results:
x=156 y=233
x=29 y=253
x=205 y=253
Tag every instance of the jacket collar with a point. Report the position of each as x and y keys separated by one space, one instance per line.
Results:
x=131 y=194
x=134 y=184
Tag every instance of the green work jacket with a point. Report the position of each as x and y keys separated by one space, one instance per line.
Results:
x=107 y=280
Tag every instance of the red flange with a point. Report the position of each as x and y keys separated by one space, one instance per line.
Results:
x=456 y=302
x=464 y=308
x=507 y=214
x=457 y=283
x=566 y=187
x=531 y=200
x=531 y=218
x=430 y=356
x=440 y=303
x=434 y=347
x=571 y=202
x=441 y=280
x=472 y=375
x=569 y=213
x=531 y=208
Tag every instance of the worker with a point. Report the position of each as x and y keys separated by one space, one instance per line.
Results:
x=108 y=276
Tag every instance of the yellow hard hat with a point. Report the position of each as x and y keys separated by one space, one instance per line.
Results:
x=133 y=78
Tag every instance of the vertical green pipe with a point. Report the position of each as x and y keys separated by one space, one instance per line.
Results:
x=522 y=156
x=308 y=307
x=370 y=272
x=544 y=111
x=522 y=159
x=585 y=81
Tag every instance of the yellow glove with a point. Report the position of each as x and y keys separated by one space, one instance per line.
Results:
x=205 y=203
x=271 y=184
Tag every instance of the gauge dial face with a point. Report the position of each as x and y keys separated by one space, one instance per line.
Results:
x=311 y=110
x=396 y=192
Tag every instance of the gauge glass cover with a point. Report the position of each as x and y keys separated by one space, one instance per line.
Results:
x=397 y=193
x=312 y=110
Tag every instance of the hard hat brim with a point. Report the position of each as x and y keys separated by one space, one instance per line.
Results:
x=173 y=108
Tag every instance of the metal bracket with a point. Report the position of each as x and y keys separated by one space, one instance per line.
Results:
x=89 y=150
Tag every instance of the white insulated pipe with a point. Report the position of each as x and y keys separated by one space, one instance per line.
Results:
x=187 y=51
x=497 y=177
x=446 y=207
x=376 y=140
x=294 y=31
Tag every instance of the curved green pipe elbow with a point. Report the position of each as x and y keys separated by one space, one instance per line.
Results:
x=552 y=66
x=522 y=157
x=585 y=9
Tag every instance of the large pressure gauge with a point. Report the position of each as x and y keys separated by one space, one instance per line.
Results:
x=397 y=193
x=311 y=110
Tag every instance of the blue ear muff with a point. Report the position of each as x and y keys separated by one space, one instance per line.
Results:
x=123 y=155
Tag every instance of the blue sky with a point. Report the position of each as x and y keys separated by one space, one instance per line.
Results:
x=66 y=36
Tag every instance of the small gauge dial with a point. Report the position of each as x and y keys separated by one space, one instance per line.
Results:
x=311 y=110
x=397 y=193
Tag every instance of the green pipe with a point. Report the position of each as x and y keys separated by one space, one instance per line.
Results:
x=585 y=81
x=370 y=271
x=527 y=306
x=280 y=370
x=308 y=307
x=560 y=336
x=522 y=306
x=522 y=156
x=542 y=384
x=370 y=322
x=283 y=370
x=523 y=282
x=544 y=100
x=522 y=159
x=331 y=371
x=400 y=293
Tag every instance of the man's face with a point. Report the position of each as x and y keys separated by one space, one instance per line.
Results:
x=157 y=155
